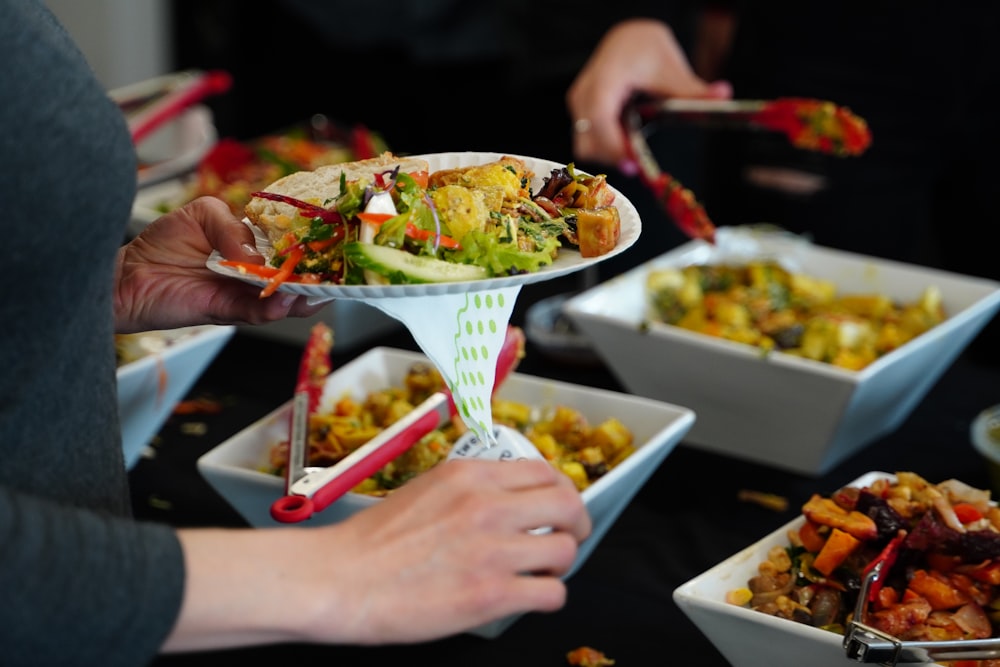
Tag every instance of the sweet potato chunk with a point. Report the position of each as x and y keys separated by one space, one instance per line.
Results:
x=824 y=511
x=835 y=551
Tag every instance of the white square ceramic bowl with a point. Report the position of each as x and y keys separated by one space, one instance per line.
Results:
x=748 y=638
x=232 y=468
x=781 y=410
x=150 y=386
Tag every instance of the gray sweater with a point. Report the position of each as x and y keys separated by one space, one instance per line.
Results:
x=81 y=582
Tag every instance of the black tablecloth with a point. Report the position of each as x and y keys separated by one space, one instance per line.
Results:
x=686 y=518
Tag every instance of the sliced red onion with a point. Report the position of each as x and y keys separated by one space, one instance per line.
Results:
x=437 y=222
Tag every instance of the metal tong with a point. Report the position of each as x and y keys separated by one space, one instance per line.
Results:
x=311 y=490
x=723 y=114
x=814 y=125
x=863 y=643
x=678 y=202
x=808 y=124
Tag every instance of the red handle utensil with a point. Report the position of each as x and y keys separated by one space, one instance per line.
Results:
x=809 y=124
x=316 y=490
x=191 y=91
x=815 y=125
x=309 y=492
x=679 y=203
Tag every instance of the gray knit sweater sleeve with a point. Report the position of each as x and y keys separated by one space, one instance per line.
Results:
x=82 y=583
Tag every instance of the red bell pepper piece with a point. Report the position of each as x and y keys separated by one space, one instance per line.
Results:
x=967 y=512
x=412 y=230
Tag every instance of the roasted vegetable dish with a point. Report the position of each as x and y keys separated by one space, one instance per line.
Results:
x=765 y=305
x=581 y=450
x=944 y=579
x=817 y=125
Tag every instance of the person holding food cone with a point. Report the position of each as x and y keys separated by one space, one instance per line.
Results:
x=85 y=583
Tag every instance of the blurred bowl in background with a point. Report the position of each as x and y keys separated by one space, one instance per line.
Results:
x=555 y=335
x=156 y=370
x=985 y=434
x=177 y=147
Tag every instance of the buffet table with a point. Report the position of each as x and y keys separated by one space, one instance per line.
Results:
x=684 y=520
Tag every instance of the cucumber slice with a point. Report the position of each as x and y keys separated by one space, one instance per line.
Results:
x=401 y=267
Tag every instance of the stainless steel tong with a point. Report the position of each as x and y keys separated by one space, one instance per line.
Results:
x=865 y=644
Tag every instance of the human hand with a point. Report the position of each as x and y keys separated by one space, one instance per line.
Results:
x=162 y=281
x=451 y=551
x=637 y=55
x=447 y=552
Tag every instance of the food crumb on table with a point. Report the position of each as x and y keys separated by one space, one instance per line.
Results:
x=769 y=501
x=586 y=656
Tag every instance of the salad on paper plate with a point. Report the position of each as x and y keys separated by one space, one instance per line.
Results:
x=433 y=224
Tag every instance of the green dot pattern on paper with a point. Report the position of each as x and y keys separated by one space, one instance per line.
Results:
x=482 y=316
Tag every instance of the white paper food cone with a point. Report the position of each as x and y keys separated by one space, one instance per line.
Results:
x=462 y=335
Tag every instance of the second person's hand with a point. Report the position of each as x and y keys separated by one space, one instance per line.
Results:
x=637 y=55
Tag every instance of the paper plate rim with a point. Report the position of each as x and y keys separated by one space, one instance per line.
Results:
x=568 y=261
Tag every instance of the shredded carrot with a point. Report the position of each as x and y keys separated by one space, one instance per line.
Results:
x=835 y=551
x=285 y=272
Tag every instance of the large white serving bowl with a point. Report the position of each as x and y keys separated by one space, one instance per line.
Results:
x=233 y=468
x=151 y=386
x=748 y=638
x=781 y=410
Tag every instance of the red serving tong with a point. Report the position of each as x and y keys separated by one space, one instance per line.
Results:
x=311 y=491
x=678 y=202
x=816 y=125
x=188 y=88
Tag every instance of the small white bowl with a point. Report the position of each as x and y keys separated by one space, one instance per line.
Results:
x=177 y=147
x=778 y=409
x=233 y=468
x=151 y=386
x=985 y=435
